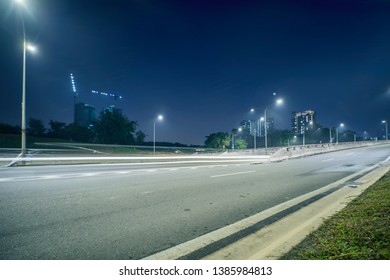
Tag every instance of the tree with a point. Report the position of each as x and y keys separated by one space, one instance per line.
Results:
x=112 y=127
x=9 y=129
x=240 y=144
x=57 y=130
x=79 y=133
x=36 y=127
x=218 y=140
x=140 y=137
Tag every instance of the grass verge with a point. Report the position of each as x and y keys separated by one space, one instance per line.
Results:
x=361 y=231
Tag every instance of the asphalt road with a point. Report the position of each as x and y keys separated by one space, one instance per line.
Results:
x=124 y=211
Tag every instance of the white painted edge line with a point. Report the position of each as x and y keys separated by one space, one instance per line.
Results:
x=136 y=158
x=218 y=234
x=108 y=173
x=232 y=174
x=220 y=160
x=329 y=159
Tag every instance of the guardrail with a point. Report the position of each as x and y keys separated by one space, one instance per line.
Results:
x=301 y=151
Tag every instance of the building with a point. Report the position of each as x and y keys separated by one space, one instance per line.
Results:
x=257 y=126
x=84 y=114
x=113 y=109
x=301 y=121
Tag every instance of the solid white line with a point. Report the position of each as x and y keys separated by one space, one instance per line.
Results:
x=200 y=242
x=329 y=159
x=232 y=174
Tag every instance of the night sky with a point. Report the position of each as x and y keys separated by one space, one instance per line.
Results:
x=202 y=64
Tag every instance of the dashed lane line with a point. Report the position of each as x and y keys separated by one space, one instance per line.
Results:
x=110 y=173
x=233 y=174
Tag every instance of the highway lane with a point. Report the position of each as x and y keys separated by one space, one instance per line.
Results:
x=131 y=211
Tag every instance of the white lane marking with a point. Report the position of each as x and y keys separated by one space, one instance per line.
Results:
x=87 y=174
x=122 y=172
x=329 y=159
x=147 y=192
x=350 y=154
x=232 y=174
x=111 y=173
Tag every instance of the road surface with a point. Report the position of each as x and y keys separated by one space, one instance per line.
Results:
x=120 y=211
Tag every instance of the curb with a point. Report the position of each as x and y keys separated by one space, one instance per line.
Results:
x=273 y=232
x=277 y=239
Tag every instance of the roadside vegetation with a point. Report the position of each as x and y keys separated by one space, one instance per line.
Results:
x=361 y=231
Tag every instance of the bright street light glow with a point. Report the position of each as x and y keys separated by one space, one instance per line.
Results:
x=341 y=125
x=279 y=101
x=20 y=2
x=384 y=122
x=159 y=118
x=31 y=48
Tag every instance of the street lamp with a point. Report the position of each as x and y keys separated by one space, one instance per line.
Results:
x=257 y=129
x=26 y=47
x=337 y=132
x=387 y=134
x=233 y=135
x=279 y=101
x=159 y=118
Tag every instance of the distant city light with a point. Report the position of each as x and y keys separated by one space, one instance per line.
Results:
x=73 y=84
x=106 y=94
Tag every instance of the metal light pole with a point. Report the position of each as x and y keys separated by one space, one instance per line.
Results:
x=278 y=101
x=233 y=136
x=25 y=48
x=387 y=133
x=337 y=132
x=261 y=120
x=254 y=132
x=254 y=139
x=159 y=118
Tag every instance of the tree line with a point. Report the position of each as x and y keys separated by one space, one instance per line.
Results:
x=111 y=127
x=244 y=139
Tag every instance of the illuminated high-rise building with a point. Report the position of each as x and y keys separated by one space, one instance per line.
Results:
x=84 y=114
x=301 y=121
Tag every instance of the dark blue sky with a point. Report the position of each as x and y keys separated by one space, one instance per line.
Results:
x=202 y=64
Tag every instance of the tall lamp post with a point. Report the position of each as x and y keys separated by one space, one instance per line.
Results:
x=387 y=133
x=337 y=132
x=233 y=136
x=159 y=118
x=255 y=131
x=26 y=47
x=278 y=102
